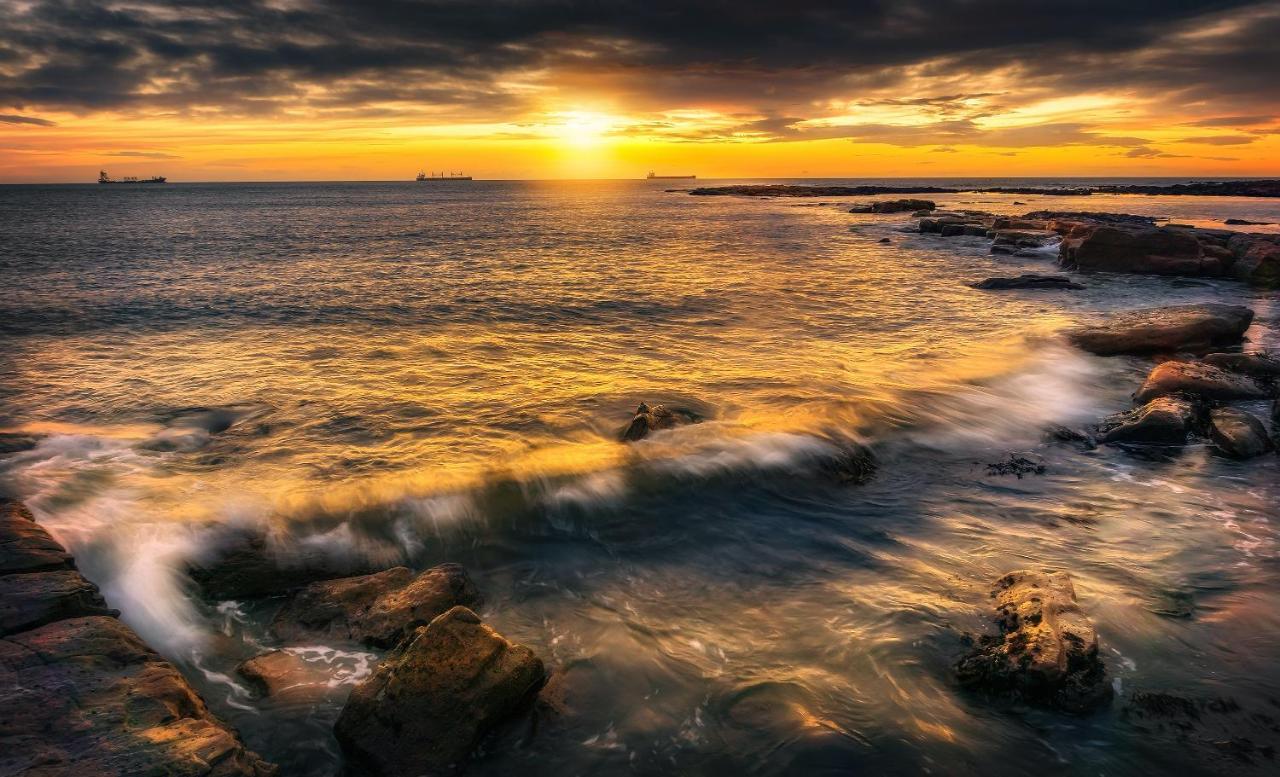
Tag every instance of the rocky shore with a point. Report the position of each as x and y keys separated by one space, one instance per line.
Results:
x=1261 y=188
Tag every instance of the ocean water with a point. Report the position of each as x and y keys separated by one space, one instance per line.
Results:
x=416 y=373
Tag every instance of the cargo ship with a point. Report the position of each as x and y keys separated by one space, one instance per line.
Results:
x=653 y=177
x=442 y=177
x=104 y=178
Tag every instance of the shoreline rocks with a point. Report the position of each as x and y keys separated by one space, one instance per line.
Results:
x=431 y=701
x=1197 y=379
x=894 y=206
x=243 y=564
x=1266 y=188
x=1028 y=281
x=1166 y=421
x=1237 y=434
x=1168 y=330
x=1046 y=650
x=655 y=418
x=375 y=609
x=81 y=693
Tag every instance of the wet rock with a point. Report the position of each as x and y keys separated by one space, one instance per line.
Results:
x=1245 y=222
x=1258 y=365
x=1237 y=434
x=25 y=546
x=85 y=696
x=430 y=702
x=1197 y=379
x=32 y=599
x=375 y=609
x=1257 y=259
x=1028 y=281
x=1195 y=328
x=16 y=442
x=1136 y=249
x=884 y=240
x=792 y=190
x=1163 y=421
x=1046 y=651
x=243 y=564
x=1023 y=238
x=283 y=676
x=852 y=464
x=894 y=206
x=649 y=419
x=1019 y=466
x=1059 y=433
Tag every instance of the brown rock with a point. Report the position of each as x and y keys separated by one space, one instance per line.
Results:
x=1136 y=248
x=375 y=609
x=1255 y=364
x=1197 y=379
x=1168 y=330
x=1257 y=259
x=1028 y=281
x=656 y=418
x=284 y=676
x=32 y=599
x=894 y=206
x=24 y=544
x=1046 y=650
x=85 y=696
x=244 y=564
x=1238 y=434
x=429 y=703
x=1162 y=421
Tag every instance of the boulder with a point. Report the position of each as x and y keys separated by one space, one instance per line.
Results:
x=1257 y=259
x=1197 y=379
x=1162 y=421
x=25 y=546
x=1028 y=281
x=894 y=206
x=1136 y=248
x=243 y=564
x=284 y=676
x=1257 y=365
x=656 y=418
x=1046 y=650
x=85 y=696
x=430 y=702
x=32 y=599
x=375 y=609
x=1237 y=434
x=1024 y=238
x=1194 y=328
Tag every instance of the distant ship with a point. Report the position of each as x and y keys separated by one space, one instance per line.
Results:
x=104 y=178
x=442 y=177
x=653 y=177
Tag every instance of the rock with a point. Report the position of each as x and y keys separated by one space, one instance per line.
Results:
x=791 y=190
x=1028 y=281
x=894 y=206
x=1093 y=247
x=1162 y=421
x=430 y=702
x=1167 y=330
x=1257 y=259
x=85 y=696
x=1197 y=379
x=1237 y=434
x=16 y=442
x=1258 y=365
x=1014 y=464
x=1199 y=189
x=1024 y=238
x=1046 y=651
x=1059 y=433
x=25 y=546
x=244 y=565
x=32 y=599
x=656 y=418
x=284 y=676
x=375 y=609
x=852 y=464
x=884 y=240
x=1246 y=222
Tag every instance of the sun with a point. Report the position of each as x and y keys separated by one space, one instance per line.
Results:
x=581 y=128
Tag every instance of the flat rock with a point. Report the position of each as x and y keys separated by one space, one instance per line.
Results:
x=285 y=677
x=243 y=564
x=1237 y=434
x=894 y=206
x=1194 y=328
x=1197 y=379
x=1165 y=421
x=430 y=702
x=1028 y=281
x=375 y=609
x=1046 y=650
x=25 y=546
x=85 y=696
x=649 y=419
x=32 y=599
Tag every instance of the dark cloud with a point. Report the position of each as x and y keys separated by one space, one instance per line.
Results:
x=1146 y=152
x=439 y=60
x=13 y=118
x=1222 y=140
x=143 y=154
x=1232 y=121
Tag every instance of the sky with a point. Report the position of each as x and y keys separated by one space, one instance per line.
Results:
x=328 y=90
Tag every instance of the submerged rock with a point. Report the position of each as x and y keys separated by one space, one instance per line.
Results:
x=1014 y=464
x=1028 y=281
x=429 y=703
x=853 y=464
x=656 y=418
x=1255 y=364
x=1046 y=651
x=1168 y=329
x=894 y=206
x=375 y=609
x=244 y=565
x=1238 y=434
x=1162 y=421
x=1197 y=379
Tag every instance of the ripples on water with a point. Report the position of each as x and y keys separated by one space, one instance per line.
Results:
x=422 y=374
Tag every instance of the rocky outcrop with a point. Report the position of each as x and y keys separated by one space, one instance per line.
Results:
x=79 y=691
x=788 y=190
x=1046 y=650
x=1028 y=281
x=655 y=418
x=894 y=206
x=1256 y=259
x=1199 y=189
x=1195 y=328
x=1131 y=248
x=375 y=609
x=1258 y=365
x=243 y=564
x=1167 y=421
x=1237 y=434
x=1199 y=380
x=430 y=702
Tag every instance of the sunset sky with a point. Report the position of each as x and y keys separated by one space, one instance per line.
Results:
x=311 y=89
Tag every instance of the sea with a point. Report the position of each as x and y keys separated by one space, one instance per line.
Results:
x=412 y=373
